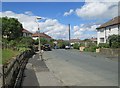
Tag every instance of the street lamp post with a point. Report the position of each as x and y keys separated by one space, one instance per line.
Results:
x=40 y=53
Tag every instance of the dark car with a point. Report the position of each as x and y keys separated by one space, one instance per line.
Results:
x=47 y=47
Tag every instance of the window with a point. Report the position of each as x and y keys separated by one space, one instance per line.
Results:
x=102 y=30
x=109 y=29
x=118 y=27
x=102 y=40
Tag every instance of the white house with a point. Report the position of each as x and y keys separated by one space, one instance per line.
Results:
x=109 y=28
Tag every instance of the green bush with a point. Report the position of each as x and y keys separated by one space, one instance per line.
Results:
x=91 y=49
x=82 y=44
x=76 y=46
x=27 y=41
x=12 y=43
x=114 y=41
x=103 y=45
x=5 y=41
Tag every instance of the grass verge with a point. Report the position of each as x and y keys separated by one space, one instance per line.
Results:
x=7 y=55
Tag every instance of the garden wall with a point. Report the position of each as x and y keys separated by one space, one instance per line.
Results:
x=110 y=52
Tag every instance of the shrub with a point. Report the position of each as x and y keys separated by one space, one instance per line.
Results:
x=103 y=45
x=12 y=43
x=91 y=49
x=82 y=44
x=76 y=46
x=114 y=41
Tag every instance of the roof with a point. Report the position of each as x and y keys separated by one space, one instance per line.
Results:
x=75 y=40
x=93 y=39
x=26 y=31
x=41 y=35
x=112 y=22
x=60 y=40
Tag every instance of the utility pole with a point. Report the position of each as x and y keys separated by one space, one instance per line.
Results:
x=69 y=33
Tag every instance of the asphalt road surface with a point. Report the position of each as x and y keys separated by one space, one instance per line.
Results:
x=74 y=68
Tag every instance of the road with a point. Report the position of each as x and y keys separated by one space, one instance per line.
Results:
x=74 y=68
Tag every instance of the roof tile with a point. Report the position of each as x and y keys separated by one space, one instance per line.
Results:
x=113 y=21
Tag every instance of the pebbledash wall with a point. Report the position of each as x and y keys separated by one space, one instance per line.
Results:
x=110 y=52
x=104 y=33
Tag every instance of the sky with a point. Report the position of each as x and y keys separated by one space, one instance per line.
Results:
x=84 y=17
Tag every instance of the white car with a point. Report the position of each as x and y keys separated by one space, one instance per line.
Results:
x=67 y=47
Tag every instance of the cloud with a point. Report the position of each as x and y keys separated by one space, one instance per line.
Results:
x=28 y=13
x=69 y=13
x=94 y=10
x=53 y=27
x=50 y=26
x=83 y=31
x=102 y=0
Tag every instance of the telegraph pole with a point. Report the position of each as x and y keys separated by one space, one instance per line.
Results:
x=69 y=31
x=69 y=34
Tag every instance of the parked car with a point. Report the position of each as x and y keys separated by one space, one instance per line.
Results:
x=47 y=47
x=67 y=47
x=56 y=47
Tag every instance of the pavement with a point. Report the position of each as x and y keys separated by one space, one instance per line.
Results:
x=37 y=74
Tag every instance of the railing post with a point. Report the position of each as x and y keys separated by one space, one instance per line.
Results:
x=3 y=77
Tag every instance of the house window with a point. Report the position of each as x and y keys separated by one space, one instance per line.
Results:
x=102 y=40
x=102 y=30
x=109 y=29
x=118 y=27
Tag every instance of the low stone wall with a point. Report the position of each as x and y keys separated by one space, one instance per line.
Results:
x=13 y=70
x=110 y=52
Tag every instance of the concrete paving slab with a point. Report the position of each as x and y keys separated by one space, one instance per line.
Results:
x=37 y=74
x=30 y=78
x=47 y=79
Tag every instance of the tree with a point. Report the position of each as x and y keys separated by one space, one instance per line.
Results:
x=11 y=28
x=42 y=41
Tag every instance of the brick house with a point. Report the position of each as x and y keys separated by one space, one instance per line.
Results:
x=42 y=35
x=26 y=33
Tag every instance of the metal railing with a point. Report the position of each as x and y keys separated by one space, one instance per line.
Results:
x=13 y=72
